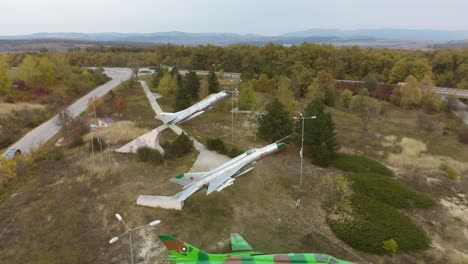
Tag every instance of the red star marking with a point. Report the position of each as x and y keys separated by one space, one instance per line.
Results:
x=191 y=178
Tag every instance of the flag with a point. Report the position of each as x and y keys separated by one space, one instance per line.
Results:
x=102 y=124
x=109 y=120
x=93 y=127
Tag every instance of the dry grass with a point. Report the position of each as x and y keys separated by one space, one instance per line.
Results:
x=117 y=132
x=414 y=154
x=6 y=108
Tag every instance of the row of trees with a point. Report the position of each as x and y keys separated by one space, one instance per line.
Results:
x=42 y=74
x=187 y=89
x=301 y=63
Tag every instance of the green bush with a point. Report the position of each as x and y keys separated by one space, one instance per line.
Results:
x=179 y=147
x=76 y=141
x=146 y=154
x=356 y=163
x=234 y=152
x=452 y=174
x=218 y=145
x=373 y=222
x=389 y=191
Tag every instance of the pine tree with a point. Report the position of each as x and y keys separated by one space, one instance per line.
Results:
x=192 y=84
x=184 y=94
x=319 y=134
x=276 y=124
x=176 y=76
x=213 y=83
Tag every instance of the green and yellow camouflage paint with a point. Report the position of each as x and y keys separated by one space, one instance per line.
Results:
x=184 y=253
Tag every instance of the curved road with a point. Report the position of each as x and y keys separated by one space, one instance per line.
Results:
x=49 y=128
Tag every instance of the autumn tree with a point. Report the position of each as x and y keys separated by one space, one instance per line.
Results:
x=167 y=85
x=276 y=124
x=323 y=87
x=247 y=97
x=27 y=70
x=263 y=84
x=320 y=141
x=213 y=83
x=409 y=66
x=5 y=80
x=430 y=102
x=346 y=96
x=365 y=107
x=119 y=104
x=410 y=93
x=46 y=71
x=284 y=93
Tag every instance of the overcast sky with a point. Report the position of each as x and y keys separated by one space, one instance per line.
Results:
x=267 y=17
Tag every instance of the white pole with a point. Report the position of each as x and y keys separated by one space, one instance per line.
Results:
x=232 y=117
x=131 y=246
x=92 y=150
x=302 y=149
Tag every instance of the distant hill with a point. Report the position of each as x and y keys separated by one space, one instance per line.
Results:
x=377 y=38
x=457 y=44
x=387 y=33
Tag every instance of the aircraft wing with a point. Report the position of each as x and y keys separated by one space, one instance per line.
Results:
x=218 y=181
x=187 y=192
x=238 y=243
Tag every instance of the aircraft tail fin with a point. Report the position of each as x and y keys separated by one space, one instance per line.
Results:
x=181 y=251
x=165 y=117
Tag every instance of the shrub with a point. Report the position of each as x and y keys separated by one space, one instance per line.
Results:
x=389 y=191
x=218 y=145
x=346 y=95
x=452 y=174
x=356 y=163
x=234 y=152
x=463 y=135
x=391 y=246
x=373 y=222
x=146 y=154
x=179 y=147
x=76 y=141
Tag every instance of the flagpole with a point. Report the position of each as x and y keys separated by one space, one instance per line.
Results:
x=99 y=137
x=92 y=149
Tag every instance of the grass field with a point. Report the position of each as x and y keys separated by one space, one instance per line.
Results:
x=6 y=108
x=65 y=214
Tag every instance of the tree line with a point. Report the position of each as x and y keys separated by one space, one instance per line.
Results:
x=301 y=63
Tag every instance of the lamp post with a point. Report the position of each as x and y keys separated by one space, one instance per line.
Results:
x=129 y=232
x=233 y=92
x=301 y=153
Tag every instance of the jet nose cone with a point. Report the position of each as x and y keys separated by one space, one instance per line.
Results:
x=280 y=145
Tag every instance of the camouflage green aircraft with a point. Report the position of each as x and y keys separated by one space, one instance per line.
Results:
x=242 y=253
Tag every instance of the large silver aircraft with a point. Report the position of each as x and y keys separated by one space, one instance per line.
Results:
x=193 y=111
x=224 y=175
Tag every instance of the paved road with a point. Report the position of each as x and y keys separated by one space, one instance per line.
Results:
x=49 y=128
x=460 y=93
